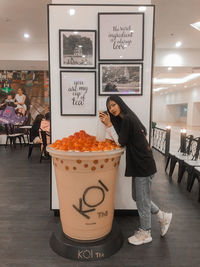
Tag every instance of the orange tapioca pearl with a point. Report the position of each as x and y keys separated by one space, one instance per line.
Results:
x=79 y=161
x=106 y=160
x=85 y=165
x=66 y=168
x=93 y=168
x=95 y=161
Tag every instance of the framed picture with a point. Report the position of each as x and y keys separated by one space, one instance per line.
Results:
x=121 y=36
x=120 y=79
x=78 y=93
x=77 y=48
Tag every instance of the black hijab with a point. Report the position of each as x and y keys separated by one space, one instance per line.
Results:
x=116 y=120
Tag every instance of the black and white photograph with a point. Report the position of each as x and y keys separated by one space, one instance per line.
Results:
x=77 y=48
x=78 y=93
x=120 y=36
x=120 y=79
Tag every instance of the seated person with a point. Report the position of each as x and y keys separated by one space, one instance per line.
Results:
x=34 y=132
x=20 y=99
x=45 y=126
x=9 y=101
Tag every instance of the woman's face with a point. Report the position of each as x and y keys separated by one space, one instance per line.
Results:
x=114 y=108
x=20 y=91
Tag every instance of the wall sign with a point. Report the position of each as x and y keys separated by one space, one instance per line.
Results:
x=77 y=48
x=120 y=78
x=78 y=93
x=121 y=36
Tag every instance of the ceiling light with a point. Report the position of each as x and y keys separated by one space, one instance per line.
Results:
x=26 y=35
x=196 y=25
x=173 y=60
x=176 y=80
x=75 y=32
x=72 y=11
x=178 y=44
x=159 y=88
x=169 y=68
x=142 y=8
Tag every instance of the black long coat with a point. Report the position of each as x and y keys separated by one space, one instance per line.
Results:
x=139 y=157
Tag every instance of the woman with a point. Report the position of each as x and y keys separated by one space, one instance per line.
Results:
x=34 y=132
x=126 y=129
x=20 y=99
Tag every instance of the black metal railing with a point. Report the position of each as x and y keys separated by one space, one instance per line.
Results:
x=161 y=140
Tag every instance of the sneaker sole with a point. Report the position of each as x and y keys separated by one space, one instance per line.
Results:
x=167 y=227
x=144 y=242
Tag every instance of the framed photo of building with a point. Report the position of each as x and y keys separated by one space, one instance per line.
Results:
x=77 y=48
x=121 y=36
x=120 y=78
x=78 y=93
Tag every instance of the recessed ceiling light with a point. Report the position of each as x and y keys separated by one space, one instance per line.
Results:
x=72 y=11
x=176 y=80
x=159 y=88
x=142 y=8
x=169 y=68
x=75 y=32
x=26 y=35
x=173 y=60
x=178 y=44
x=196 y=25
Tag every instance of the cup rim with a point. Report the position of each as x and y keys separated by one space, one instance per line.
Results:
x=56 y=152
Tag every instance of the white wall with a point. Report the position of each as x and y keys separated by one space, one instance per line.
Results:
x=166 y=104
x=64 y=126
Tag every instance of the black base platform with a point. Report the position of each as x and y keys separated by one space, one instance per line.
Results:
x=86 y=251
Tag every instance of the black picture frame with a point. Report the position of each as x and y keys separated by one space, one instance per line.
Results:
x=77 y=49
x=123 y=79
x=78 y=93
x=121 y=36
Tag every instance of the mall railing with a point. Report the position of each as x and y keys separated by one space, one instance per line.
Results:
x=161 y=139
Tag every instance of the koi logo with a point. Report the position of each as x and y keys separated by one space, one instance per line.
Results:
x=85 y=206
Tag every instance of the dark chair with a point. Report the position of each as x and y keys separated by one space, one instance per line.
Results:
x=32 y=145
x=188 y=165
x=178 y=157
x=44 y=153
x=195 y=175
x=12 y=134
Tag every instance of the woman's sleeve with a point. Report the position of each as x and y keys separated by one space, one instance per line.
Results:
x=112 y=133
x=124 y=132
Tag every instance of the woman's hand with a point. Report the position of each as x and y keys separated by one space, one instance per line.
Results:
x=105 y=119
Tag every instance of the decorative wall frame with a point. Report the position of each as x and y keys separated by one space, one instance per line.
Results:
x=77 y=49
x=78 y=93
x=120 y=78
x=121 y=36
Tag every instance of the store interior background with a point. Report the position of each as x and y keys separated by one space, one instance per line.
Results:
x=176 y=97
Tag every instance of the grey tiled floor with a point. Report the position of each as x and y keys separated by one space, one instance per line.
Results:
x=26 y=221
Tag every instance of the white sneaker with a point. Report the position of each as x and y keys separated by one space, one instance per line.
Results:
x=140 y=237
x=165 y=222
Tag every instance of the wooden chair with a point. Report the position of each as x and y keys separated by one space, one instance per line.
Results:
x=44 y=153
x=12 y=134
x=32 y=145
x=178 y=157
x=188 y=165
x=195 y=175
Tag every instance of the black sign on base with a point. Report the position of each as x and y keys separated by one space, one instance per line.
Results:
x=86 y=251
